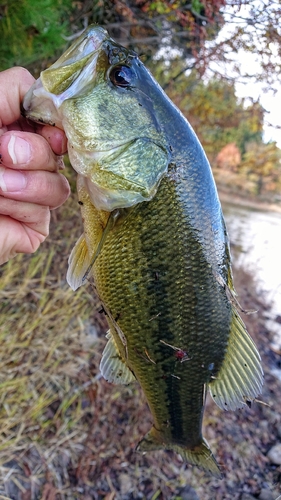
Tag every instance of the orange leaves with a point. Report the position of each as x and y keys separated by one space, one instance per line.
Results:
x=229 y=158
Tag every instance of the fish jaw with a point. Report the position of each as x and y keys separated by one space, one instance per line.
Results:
x=64 y=79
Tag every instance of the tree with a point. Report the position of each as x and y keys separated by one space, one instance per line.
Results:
x=206 y=33
x=215 y=113
x=31 y=36
x=229 y=158
x=262 y=164
x=251 y=26
x=150 y=24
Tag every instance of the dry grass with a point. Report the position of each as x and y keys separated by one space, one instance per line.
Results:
x=66 y=433
x=48 y=336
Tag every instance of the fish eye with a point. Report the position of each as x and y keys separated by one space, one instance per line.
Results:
x=121 y=76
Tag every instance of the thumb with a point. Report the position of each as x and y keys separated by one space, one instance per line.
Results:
x=14 y=83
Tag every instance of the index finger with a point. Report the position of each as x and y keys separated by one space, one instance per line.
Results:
x=27 y=151
x=14 y=83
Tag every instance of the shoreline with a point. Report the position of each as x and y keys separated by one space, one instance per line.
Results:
x=228 y=196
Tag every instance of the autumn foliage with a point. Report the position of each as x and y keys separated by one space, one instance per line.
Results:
x=229 y=157
x=186 y=44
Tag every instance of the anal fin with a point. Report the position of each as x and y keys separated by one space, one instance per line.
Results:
x=240 y=378
x=112 y=366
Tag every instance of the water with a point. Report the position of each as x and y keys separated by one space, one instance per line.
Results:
x=256 y=239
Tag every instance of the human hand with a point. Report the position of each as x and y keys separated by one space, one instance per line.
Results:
x=30 y=184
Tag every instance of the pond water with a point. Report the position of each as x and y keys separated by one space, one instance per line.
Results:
x=255 y=236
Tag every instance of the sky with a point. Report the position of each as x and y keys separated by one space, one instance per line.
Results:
x=245 y=88
x=250 y=64
x=271 y=103
x=270 y=100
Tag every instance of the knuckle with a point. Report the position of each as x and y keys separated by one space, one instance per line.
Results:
x=22 y=74
x=55 y=189
x=64 y=189
x=42 y=153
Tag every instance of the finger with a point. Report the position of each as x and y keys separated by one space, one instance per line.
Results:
x=28 y=151
x=14 y=83
x=55 y=137
x=28 y=213
x=23 y=226
x=18 y=236
x=39 y=187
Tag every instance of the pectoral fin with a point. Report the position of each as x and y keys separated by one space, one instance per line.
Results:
x=112 y=366
x=78 y=263
x=240 y=378
x=111 y=221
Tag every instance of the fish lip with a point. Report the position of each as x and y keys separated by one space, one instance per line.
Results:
x=86 y=46
x=87 y=43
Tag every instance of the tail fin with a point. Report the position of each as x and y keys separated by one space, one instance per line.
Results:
x=201 y=455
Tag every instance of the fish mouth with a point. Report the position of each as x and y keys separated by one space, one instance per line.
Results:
x=86 y=44
x=65 y=79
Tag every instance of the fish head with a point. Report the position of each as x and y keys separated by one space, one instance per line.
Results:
x=98 y=93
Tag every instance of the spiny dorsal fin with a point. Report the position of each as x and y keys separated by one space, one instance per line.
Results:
x=78 y=263
x=112 y=366
x=240 y=378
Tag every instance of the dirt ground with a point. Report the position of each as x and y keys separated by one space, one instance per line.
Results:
x=68 y=434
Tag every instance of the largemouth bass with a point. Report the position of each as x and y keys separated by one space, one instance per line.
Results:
x=154 y=241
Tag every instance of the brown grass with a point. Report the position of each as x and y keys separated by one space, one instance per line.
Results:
x=66 y=433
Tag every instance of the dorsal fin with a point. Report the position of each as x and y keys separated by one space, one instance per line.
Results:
x=240 y=378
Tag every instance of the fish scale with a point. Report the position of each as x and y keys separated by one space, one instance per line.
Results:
x=154 y=241
x=169 y=306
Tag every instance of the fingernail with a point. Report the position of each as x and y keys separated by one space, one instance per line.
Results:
x=11 y=180
x=19 y=150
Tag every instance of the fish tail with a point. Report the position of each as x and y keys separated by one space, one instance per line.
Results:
x=200 y=455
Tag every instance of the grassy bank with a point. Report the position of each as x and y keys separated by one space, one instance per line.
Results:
x=67 y=434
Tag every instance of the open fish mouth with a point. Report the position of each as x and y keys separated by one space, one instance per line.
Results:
x=87 y=43
x=65 y=79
